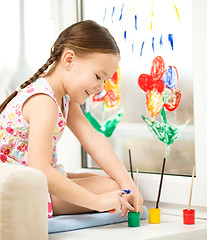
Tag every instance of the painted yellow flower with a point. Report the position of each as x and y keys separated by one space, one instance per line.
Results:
x=111 y=94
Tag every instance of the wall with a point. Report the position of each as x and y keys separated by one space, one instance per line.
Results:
x=68 y=149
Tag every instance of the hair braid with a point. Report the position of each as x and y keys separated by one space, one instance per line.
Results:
x=83 y=38
x=38 y=73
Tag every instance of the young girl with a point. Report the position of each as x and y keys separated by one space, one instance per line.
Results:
x=33 y=118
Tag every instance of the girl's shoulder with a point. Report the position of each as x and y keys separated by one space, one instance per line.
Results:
x=39 y=86
x=14 y=108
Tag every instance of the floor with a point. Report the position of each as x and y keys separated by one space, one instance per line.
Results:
x=170 y=228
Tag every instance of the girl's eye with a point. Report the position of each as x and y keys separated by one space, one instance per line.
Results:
x=98 y=77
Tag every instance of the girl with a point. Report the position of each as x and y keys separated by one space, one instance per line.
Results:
x=33 y=118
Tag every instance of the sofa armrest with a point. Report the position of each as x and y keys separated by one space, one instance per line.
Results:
x=23 y=203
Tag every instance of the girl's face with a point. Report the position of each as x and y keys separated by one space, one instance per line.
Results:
x=88 y=74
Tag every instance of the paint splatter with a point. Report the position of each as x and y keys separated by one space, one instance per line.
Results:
x=152 y=14
x=112 y=14
x=142 y=49
x=125 y=33
x=176 y=9
x=135 y=19
x=170 y=39
x=121 y=12
x=161 y=42
x=153 y=44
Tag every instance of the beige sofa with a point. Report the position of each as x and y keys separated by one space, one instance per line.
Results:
x=23 y=203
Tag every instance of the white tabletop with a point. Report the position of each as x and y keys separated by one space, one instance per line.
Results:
x=171 y=227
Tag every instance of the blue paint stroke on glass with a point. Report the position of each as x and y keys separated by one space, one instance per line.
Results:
x=161 y=42
x=132 y=47
x=121 y=12
x=104 y=16
x=125 y=33
x=141 y=49
x=135 y=18
x=170 y=39
x=112 y=14
x=153 y=44
x=170 y=77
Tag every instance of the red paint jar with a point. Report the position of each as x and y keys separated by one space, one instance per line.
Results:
x=189 y=216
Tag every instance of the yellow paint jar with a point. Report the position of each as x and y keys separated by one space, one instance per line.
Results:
x=154 y=215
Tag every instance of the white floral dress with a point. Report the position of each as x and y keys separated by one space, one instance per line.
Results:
x=14 y=129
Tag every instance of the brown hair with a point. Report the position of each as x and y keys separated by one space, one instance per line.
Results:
x=83 y=38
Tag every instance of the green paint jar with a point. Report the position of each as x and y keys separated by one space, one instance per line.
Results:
x=133 y=219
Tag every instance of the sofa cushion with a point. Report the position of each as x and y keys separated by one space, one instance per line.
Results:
x=23 y=203
x=79 y=221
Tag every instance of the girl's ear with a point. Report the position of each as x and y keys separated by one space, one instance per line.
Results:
x=68 y=59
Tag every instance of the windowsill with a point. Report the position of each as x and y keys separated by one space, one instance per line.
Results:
x=171 y=227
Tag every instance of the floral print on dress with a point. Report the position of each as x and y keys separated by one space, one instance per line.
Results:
x=14 y=129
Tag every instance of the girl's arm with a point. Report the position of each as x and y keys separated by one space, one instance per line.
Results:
x=41 y=112
x=101 y=151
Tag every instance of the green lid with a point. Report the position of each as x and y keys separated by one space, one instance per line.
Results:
x=133 y=219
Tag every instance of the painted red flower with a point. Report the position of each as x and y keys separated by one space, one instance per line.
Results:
x=160 y=87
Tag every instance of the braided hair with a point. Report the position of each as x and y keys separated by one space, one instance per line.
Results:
x=83 y=38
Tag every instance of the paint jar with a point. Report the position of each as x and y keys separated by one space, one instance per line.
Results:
x=154 y=215
x=133 y=219
x=189 y=216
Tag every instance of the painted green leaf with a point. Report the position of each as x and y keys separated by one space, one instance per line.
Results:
x=108 y=127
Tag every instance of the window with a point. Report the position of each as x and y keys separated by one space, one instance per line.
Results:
x=9 y=44
x=179 y=20
x=28 y=30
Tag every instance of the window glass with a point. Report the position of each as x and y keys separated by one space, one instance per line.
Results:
x=145 y=30
x=27 y=34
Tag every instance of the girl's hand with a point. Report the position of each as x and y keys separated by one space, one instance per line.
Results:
x=131 y=198
x=112 y=202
